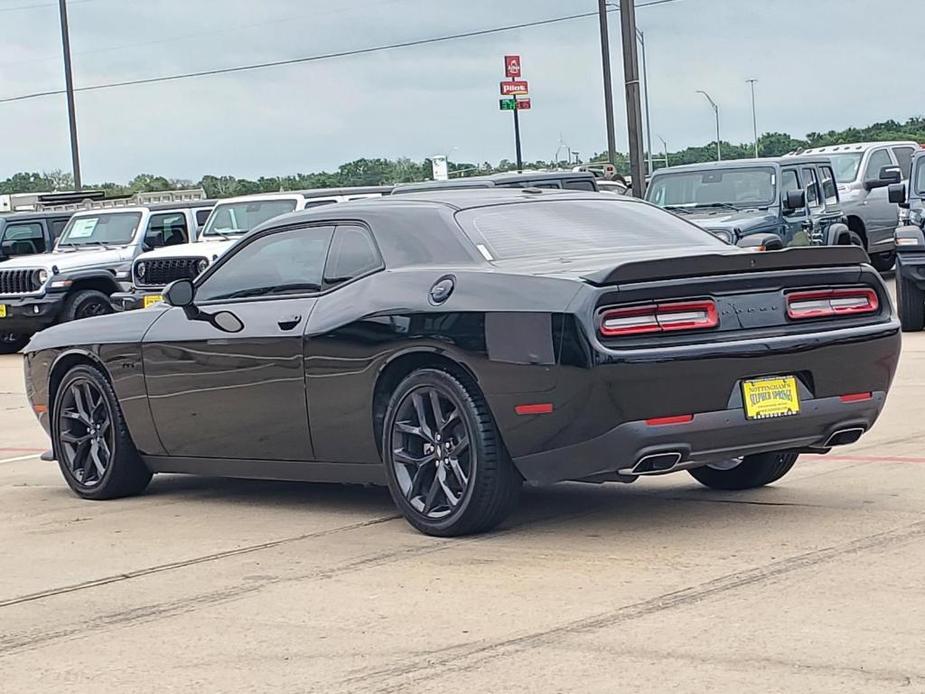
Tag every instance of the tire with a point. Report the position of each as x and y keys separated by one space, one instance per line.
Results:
x=87 y=418
x=911 y=303
x=85 y=303
x=480 y=476
x=10 y=343
x=883 y=262
x=754 y=471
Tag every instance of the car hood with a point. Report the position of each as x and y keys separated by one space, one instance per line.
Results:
x=204 y=249
x=70 y=260
x=742 y=220
x=126 y=327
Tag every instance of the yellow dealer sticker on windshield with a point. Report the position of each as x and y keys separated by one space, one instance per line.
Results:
x=771 y=397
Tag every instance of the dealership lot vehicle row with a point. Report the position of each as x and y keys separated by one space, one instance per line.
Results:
x=741 y=590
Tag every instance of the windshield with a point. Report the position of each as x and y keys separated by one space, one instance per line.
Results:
x=919 y=176
x=846 y=166
x=115 y=229
x=554 y=228
x=241 y=217
x=739 y=187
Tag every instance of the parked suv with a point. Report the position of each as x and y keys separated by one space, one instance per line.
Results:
x=910 y=246
x=863 y=172
x=28 y=233
x=767 y=203
x=91 y=261
x=230 y=220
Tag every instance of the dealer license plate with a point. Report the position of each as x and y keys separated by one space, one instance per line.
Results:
x=2 y=310
x=771 y=397
x=151 y=300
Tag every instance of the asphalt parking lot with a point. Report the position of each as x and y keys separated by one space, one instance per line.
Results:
x=813 y=584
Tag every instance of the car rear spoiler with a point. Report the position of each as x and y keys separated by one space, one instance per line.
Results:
x=727 y=263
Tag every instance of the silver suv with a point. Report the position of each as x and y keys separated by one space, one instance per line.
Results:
x=863 y=171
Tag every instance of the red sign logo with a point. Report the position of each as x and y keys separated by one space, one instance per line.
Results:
x=512 y=66
x=514 y=87
x=523 y=104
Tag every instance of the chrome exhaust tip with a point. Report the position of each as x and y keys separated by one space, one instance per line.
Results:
x=843 y=437
x=657 y=463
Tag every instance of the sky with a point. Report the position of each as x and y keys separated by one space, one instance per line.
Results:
x=820 y=65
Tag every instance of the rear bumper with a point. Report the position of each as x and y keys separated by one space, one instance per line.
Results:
x=911 y=267
x=708 y=438
x=131 y=300
x=28 y=315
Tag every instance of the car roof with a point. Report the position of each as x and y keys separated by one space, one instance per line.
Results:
x=732 y=164
x=449 y=198
x=856 y=147
x=181 y=205
x=36 y=214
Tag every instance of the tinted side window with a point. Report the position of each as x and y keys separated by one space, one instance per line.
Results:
x=812 y=187
x=877 y=161
x=904 y=159
x=578 y=185
x=57 y=226
x=829 y=187
x=352 y=254
x=202 y=216
x=24 y=239
x=317 y=203
x=788 y=181
x=285 y=262
x=167 y=230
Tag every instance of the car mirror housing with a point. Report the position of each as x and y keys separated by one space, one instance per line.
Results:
x=897 y=193
x=891 y=174
x=909 y=239
x=180 y=293
x=795 y=199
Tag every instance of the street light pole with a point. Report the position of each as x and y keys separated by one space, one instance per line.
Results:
x=751 y=83
x=645 y=85
x=665 y=146
x=69 y=86
x=719 y=151
x=608 y=83
x=631 y=83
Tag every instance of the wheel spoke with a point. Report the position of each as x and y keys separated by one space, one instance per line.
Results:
x=104 y=449
x=68 y=437
x=104 y=426
x=451 y=498
x=95 y=458
x=451 y=419
x=432 y=494
x=461 y=476
x=437 y=409
x=399 y=455
x=79 y=405
x=406 y=428
x=419 y=476
x=80 y=456
x=418 y=401
x=461 y=446
x=74 y=416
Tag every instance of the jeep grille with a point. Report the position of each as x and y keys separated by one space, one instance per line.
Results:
x=162 y=271
x=19 y=282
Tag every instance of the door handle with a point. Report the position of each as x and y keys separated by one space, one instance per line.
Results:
x=289 y=322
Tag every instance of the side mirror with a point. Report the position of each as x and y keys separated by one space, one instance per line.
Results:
x=891 y=174
x=180 y=293
x=761 y=242
x=795 y=199
x=909 y=239
x=897 y=193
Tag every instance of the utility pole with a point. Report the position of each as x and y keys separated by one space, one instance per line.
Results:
x=69 y=86
x=645 y=84
x=633 y=108
x=751 y=83
x=520 y=160
x=608 y=83
x=719 y=151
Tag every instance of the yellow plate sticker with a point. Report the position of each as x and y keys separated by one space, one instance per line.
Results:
x=153 y=299
x=2 y=310
x=771 y=397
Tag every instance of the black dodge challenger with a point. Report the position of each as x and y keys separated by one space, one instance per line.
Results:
x=454 y=344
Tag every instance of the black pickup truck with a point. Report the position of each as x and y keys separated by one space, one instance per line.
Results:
x=28 y=233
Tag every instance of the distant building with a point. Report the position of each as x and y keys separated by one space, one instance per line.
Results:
x=92 y=199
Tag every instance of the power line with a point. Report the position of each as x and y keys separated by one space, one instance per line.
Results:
x=40 y=5
x=323 y=56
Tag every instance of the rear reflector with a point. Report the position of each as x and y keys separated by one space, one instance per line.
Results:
x=659 y=318
x=678 y=419
x=828 y=303
x=535 y=408
x=856 y=397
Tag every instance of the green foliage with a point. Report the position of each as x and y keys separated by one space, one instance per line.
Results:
x=380 y=171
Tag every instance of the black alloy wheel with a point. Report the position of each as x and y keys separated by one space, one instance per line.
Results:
x=431 y=455
x=94 y=450
x=448 y=471
x=86 y=303
x=85 y=432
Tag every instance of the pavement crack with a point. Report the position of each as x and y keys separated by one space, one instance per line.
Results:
x=396 y=678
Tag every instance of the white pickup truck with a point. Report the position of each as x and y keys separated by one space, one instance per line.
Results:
x=229 y=221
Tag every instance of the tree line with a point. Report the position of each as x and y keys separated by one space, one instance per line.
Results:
x=381 y=171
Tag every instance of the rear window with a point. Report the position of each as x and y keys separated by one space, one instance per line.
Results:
x=553 y=228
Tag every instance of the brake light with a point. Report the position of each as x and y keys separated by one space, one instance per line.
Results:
x=826 y=303
x=659 y=318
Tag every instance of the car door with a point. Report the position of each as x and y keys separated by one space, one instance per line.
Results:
x=239 y=393
x=796 y=222
x=24 y=238
x=831 y=212
x=814 y=201
x=882 y=216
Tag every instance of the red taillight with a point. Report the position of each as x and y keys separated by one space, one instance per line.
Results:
x=826 y=303
x=534 y=408
x=659 y=318
x=677 y=419
x=856 y=397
